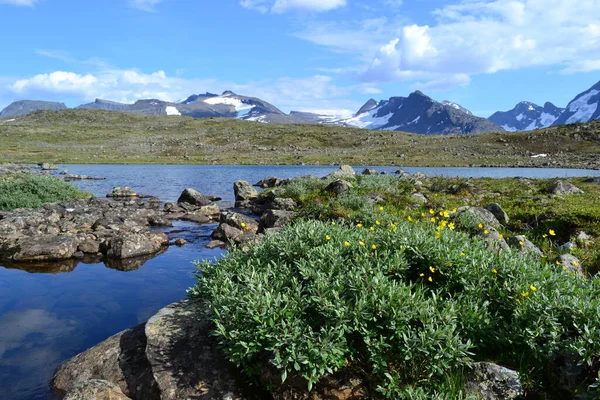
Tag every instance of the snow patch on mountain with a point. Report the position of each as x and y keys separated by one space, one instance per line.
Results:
x=583 y=111
x=170 y=110
x=242 y=109
x=369 y=120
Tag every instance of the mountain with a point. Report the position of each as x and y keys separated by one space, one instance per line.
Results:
x=583 y=108
x=456 y=106
x=527 y=116
x=25 y=107
x=419 y=113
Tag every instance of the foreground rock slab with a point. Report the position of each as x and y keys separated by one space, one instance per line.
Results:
x=96 y=389
x=184 y=359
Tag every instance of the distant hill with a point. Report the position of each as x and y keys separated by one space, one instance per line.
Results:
x=24 y=107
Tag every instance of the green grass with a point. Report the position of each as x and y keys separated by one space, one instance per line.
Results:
x=33 y=191
x=94 y=136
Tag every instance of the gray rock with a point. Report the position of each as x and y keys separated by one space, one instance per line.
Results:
x=473 y=216
x=213 y=244
x=210 y=211
x=489 y=381
x=120 y=359
x=569 y=263
x=339 y=187
x=226 y=232
x=269 y=182
x=345 y=171
x=370 y=171
x=184 y=358
x=192 y=196
x=122 y=192
x=285 y=204
x=419 y=198
x=493 y=239
x=275 y=219
x=199 y=219
x=244 y=191
x=96 y=389
x=89 y=246
x=567 y=246
x=44 y=248
x=523 y=245
x=159 y=220
x=583 y=237
x=498 y=212
x=48 y=167
x=564 y=187
x=239 y=221
x=127 y=245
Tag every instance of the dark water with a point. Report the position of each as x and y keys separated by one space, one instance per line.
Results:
x=49 y=316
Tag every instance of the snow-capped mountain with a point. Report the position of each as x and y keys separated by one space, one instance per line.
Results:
x=527 y=116
x=418 y=113
x=24 y=107
x=583 y=108
x=456 y=106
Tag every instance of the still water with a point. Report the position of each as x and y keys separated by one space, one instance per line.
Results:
x=48 y=316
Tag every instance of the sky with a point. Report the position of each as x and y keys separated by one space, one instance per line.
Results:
x=306 y=55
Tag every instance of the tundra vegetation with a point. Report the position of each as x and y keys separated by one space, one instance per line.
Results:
x=406 y=293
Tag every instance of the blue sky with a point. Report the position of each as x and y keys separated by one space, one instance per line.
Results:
x=320 y=55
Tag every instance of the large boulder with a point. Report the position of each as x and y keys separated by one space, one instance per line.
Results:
x=192 y=196
x=226 y=232
x=239 y=221
x=569 y=263
x=498 y=212
x=275 y=219
x=493 y=239
x=96 y=389
x=44 y=166
x=269 y=182
x=489 y=381
x=120 y=359
x=339 y=187
x=244 y=191
x=124 y=192
x=44 y=248
x=471 y=217
x=523 y=245
x=127 y=245
x=184 y=357
x=345 y=171
x=564 y=187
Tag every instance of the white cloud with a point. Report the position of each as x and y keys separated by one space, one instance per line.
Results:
x=281 y=6
x=25 y=3
x=470 y=37
x=144 y=5
x=127 y=86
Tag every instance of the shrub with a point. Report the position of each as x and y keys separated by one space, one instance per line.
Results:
x=404 y=303
x=34 y=190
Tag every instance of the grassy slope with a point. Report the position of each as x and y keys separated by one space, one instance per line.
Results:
x=92 y=136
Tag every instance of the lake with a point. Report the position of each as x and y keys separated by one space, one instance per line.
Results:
x=47 y=317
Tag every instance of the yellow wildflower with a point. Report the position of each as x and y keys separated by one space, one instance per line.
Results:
x=564 y=268
x=533 y=288
x=575 y=263
x=446 y=214
x=480 y=226
x=437 y=235
x=441 y=213
x=521 y=243
x=422 y=275
x=557 y=262
x=454 y=210
x=432 y=219
x=551 y=232
x=451 y=226
x=486 y=232
x=463 y=254
x=371 y=228
x=432 y=269
x=500 y=236
x=332 y=222
x=430 y=279
x=327 y=237
x=410 y=219
x=243 y=225
x=346 y=243
x=361 y=243
x=359 y=225
x=380 y=208
x=422 y=214
x=444 y=223
x=495 y=271
x=377 y=223
x=431 y=211
x=544 y=236
x=374 y=247
x=525 y=294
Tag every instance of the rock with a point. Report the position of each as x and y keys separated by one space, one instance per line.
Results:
x=184 y=357
x=567 y=246
x=96 y=389
x=239 y=221
x=489 y=381
x=523 y=245
x=570 y=375
x=569 y=263
x=192 y=196
x=159 y=220
x=180 y=242
x=369 y=171
x=374 y=198
x=122 y=192
x=199 y=219
x=471 y=217
x=275 y=219
x=213 y=244
x=155 y=203
x=44 y=248
x=285 y=204
x=564 y=187
x=583 y=237
x=48 y=166
x=339 y=187
x=225 y=233
x=595 y=180
x=89 y=246
x=244 y=191
x=345 y=171
x=64 y=172
x=419 y=176
x=120 y=359
x=211 y=211
x=269 y=182
x=493 y=239
x=498 y=212
x=419 y=198
x=126 y=245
